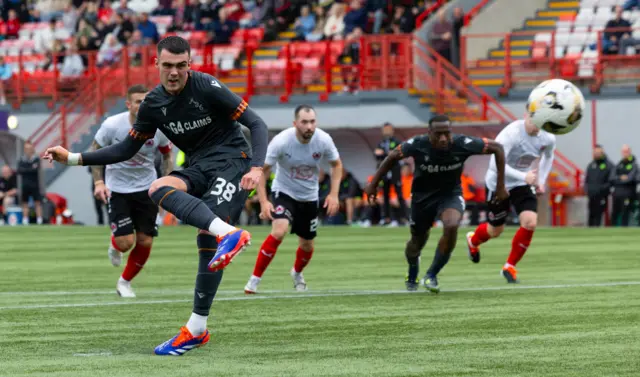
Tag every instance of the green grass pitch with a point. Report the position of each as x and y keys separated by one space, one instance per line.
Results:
x=576 y=313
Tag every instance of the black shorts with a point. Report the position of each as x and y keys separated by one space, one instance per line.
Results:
x=30 y=192
x=523 y=198
x=303 y=216
x=423 y=214
x=133 y=211
x=217 y=183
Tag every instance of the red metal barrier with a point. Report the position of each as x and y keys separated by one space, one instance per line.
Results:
x=427 y=12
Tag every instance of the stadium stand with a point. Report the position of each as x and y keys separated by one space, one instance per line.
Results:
x=591 y=42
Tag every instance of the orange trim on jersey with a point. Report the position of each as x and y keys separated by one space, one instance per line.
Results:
x=239 y=110
x=486 y=145
x=140 y=135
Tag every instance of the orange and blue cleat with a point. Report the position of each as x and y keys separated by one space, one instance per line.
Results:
x=229 y=247
x=182 y=343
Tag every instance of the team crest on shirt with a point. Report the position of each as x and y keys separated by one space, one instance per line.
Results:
x=279 y=210
x=543 y=148
x=316 y=156
x=149 y=143
x=114 y=227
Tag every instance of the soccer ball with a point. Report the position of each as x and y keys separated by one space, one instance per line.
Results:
x=556 y=106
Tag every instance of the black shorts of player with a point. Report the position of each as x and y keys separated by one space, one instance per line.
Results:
x=523 y=198
x=217 y=183
x=424 y=214
x=32 y=192
x=303 y=216
x=133 y=211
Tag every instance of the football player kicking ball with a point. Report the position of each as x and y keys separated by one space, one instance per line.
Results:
x=435 y=192
x=132 y=213
x=298 y=153
x=524 y=146
x=200 y=116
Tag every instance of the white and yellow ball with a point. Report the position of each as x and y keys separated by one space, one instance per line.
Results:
x=556 y=106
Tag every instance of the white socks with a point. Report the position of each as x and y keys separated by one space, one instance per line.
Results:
x=197 y=324
x=220 y=228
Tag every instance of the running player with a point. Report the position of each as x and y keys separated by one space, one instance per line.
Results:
x=525 y=146
x=298 y=153
x=132 y=213
x=439 y=160
x=200 y=116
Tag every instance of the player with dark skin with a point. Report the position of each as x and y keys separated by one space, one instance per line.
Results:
x=439 y=158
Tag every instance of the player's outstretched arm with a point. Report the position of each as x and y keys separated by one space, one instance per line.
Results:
x=112 y=154
x=495 y=148
x=386 y=165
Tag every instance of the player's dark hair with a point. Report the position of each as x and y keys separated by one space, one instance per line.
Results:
x=175 y=45
x=303 y=107
x=438 y=119
x=139 y=88
x=598 y=146
x=387 y=124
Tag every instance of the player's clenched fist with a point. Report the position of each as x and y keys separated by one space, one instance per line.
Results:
x=58 y=154
x=251 y=179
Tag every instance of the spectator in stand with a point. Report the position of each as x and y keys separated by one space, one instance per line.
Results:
x=356 y=17
x=6 y=71
x=334 y=27
x=317 y=34
x=29 y=171
x=55 y=56
x=256 y=11
x=70 y=17
x=124 y=10
x=85 y=46
x=102 y=30
x=148 y=29
x=234 y=10
x=206 y=13
x=165 y=8
x=44 y=38
x=136 y=43
x=122 y=28
x=441 y=35
x=406 y=17
x=72 y=65
x=305 y=24
x=50 y=9
x=105 y=12
x=109 y=52
x=375 y=9
x=458 y=24
x=8 y=191
x=12 y=25
x=222 y=29
x=84 y=29
x=612 y=40
x=91 y=13
x=183 y=13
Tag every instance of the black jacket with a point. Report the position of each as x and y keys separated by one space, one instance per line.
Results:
x=597 y=180
x=29 y=170
x=624 y=177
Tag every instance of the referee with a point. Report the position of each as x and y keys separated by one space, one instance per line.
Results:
x=393 y=177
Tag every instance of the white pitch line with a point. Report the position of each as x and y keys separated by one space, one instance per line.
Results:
x=322 y=294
